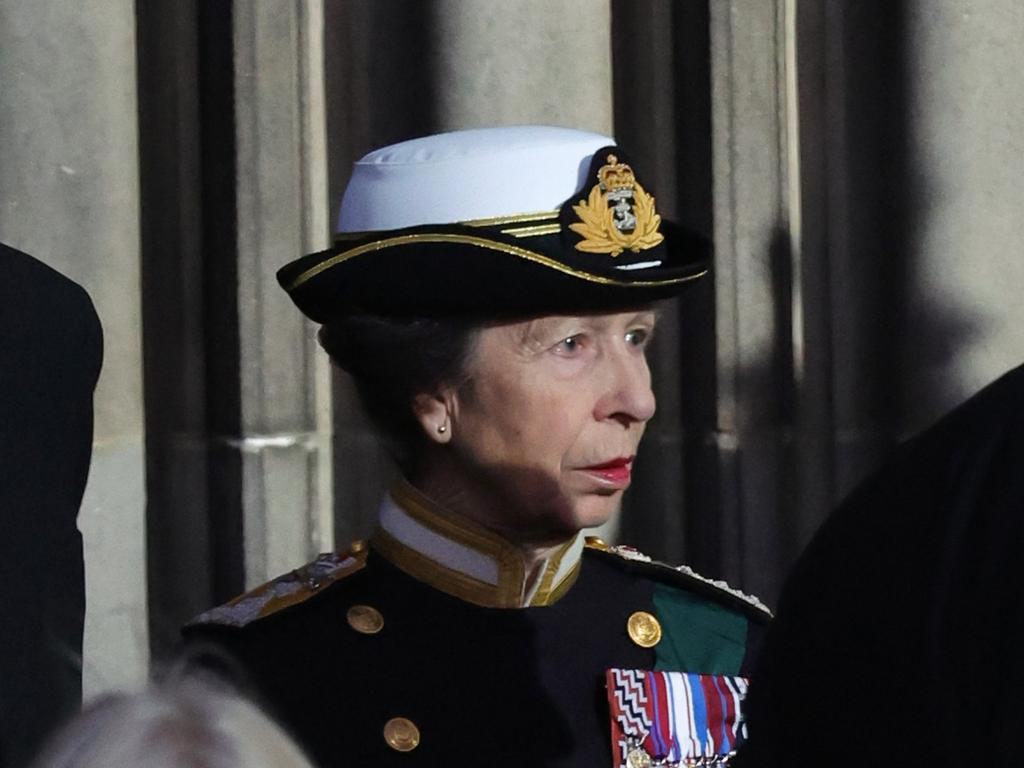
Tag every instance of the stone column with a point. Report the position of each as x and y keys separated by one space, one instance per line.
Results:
x=755 y=190
x=532 y=61
x=69 y=191
x=283 y=446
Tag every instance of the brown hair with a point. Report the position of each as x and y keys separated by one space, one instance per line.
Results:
x=394 y=359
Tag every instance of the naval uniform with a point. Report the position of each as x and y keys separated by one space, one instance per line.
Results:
x=432 y=645
x=428 y=646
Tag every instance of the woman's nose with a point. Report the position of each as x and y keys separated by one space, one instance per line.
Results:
x=628 y=397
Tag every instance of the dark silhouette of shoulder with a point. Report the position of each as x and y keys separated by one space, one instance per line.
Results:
x=50 y=356
x=903 y=618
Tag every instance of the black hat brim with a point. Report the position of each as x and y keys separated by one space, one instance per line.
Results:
x=457 y=270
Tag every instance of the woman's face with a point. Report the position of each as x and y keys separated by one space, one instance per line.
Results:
x=544 y=434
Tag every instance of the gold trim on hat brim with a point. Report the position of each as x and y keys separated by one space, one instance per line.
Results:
x=493 y=221
x=480 y=242
x=534 y=231
x=517 y=218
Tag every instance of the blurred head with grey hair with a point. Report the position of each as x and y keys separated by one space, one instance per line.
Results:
x=190 y=721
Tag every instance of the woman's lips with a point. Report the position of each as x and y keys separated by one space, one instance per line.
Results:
x=614 y=473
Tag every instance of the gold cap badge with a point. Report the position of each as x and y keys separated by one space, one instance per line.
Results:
x=618 y=214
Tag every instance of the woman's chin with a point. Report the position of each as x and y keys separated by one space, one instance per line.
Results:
x=593 y=510
x=575 y=514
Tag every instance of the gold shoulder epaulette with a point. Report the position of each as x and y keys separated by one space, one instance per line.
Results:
x=635 y=555
x=285 y=591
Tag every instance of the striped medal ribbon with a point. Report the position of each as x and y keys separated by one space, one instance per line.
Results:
x=674 y=719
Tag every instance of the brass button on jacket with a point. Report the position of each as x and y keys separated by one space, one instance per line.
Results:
x=365 y=619
x=644 y=629
x=401 y=734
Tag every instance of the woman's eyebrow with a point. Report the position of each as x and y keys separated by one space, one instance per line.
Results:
x=646 y=315
x=546 y=326
x=537 y=331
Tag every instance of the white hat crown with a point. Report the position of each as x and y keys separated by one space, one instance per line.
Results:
x=467 y=175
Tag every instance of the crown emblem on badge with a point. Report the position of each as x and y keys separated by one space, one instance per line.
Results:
x=618 y=214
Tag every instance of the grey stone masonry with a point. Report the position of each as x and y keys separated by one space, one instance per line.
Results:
x=284 y=446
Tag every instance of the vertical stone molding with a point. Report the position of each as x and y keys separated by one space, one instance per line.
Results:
x=753 y=182
x=532 y=61
x=69 y=196
x=284 y=445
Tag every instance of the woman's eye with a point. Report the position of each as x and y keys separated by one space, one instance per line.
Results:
x=570 y=345
x=638 y=337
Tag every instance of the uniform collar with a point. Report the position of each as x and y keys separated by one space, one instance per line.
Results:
x=464 y=559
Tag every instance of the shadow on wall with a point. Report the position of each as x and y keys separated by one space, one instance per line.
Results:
x=744 y=509
x=380 y=65
x=662 y=103
x=879 y=203
x=380 y=74
x=794 y=460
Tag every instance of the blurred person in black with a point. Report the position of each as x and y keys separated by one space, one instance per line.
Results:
x=897 y=636
x=50 y=354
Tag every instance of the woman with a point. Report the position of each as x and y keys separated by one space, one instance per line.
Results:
x=491 y=293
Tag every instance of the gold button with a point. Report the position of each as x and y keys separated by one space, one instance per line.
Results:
x=637 y=758
x=357 y=546
x=644 y=629
x=401 y=734
x=365 y=619
x=596 y=542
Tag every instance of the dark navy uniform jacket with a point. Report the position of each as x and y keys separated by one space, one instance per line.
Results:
x=427 y=647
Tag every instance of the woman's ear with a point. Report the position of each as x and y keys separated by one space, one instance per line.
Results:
x=434 y=415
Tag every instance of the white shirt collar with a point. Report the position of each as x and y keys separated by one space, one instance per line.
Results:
x=464 y=559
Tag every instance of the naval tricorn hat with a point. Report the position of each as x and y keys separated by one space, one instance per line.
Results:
x=496 y=222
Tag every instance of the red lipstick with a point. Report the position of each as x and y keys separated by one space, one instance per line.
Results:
x=615 y=472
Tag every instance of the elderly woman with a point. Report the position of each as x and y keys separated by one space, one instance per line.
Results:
x=491 y=293
x=183 y=722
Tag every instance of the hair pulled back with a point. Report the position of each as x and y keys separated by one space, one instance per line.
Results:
x=394 y=359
